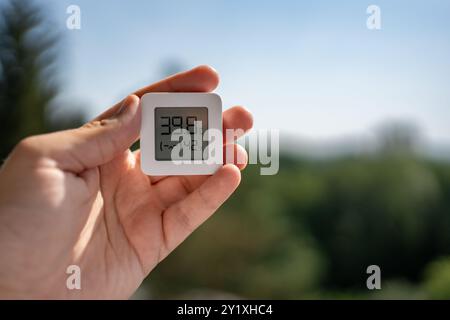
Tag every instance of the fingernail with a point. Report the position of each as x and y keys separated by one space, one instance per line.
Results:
x=122 y=106
x=129 y=106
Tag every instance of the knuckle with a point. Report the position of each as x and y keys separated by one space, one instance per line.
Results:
x=209 y=205
x=184 y=217
x=95 y=124
x=28 y=149
x=28 y=146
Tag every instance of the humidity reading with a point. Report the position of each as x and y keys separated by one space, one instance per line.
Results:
x=169 y=119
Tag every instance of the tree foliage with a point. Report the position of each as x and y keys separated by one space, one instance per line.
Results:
x=28 y=84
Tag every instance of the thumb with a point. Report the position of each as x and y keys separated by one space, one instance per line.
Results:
x=95 y=143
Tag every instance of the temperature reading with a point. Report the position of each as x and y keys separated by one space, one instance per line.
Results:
x=169 y=124
x=168 y=120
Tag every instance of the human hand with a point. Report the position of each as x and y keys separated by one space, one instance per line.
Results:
x=79 y=197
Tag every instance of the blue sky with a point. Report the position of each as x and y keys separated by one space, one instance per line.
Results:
x=310 y=68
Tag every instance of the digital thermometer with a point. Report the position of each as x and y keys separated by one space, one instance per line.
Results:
x=181 y=133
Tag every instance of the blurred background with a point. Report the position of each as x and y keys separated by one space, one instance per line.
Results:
x=363 y=114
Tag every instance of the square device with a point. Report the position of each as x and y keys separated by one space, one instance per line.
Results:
x=181 y=133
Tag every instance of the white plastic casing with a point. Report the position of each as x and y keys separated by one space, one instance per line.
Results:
x=151 y=101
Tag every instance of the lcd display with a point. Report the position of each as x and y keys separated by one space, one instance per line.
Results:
x=169 y=119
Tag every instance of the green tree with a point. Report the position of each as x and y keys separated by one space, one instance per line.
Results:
x=28 y=56
x=437 y=279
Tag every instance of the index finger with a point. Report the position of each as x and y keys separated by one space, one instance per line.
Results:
x=181 y=219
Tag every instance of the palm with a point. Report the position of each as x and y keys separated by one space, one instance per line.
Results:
x=128 y=236
x=134 y=233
